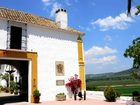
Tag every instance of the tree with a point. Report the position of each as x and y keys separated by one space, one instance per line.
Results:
x=138 y=8
x=134 y=52
x=129 y=8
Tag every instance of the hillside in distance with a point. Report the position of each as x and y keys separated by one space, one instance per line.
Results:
x=124 y=73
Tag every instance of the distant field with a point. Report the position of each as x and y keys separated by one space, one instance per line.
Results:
x=127 y=90
x=124 y=90
x=112 y=82
x=123 y=82
x=124 y=87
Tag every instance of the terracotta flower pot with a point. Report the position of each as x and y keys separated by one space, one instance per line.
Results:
x=36 y=99
x=60 y=97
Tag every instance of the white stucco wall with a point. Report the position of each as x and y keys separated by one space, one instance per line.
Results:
x=3 y=33
x=53 y=46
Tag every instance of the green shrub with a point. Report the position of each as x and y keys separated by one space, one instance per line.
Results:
x=110 y=94
x=135 y=93
x=136 y=96
x=13 y=86
x=36 y=93
x=60 y=94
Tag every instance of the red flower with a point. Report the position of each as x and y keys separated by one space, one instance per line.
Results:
x=74 y=83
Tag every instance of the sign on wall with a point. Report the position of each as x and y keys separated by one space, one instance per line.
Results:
x=60 y=82
x=59 y=68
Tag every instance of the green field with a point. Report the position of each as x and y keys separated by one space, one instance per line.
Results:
x=112 y=82
x=123 y=82
x=123 y=90
x=123 y=87
x=127 y=90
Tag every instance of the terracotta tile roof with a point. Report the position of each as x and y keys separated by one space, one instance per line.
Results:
x=23 y=17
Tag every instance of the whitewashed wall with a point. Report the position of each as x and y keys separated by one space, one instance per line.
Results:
x=53 y=46
x=3 y=34
x=3 y=39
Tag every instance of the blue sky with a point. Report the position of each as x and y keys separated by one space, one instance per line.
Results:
x=108 y=31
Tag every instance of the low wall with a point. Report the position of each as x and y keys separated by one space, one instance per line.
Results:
x=99 y=95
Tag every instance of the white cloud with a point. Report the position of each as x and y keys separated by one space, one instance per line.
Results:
x=53 y=5
x=120 y=22
x=102 y=60
x=54 y=8
x=98 y=51
x=47 y=2
x=102 y=55
x=84 y=28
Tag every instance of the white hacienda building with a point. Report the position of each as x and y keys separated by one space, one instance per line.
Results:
x=46 y=53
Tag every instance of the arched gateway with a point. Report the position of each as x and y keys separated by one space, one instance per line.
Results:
x=23 y=58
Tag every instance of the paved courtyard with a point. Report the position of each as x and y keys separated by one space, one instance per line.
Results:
x=72 y=102
x=93 y=98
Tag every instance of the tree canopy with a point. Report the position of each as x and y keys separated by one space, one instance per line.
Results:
x=134 y=52
x=138 y=10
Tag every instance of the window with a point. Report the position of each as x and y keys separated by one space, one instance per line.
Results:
x=16 y=36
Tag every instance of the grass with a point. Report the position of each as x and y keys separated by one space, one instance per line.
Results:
x=127 y=90
x=112 y=82
x=123 y=87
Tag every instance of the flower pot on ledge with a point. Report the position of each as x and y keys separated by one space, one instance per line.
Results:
x=36 y=95
x=36 y=99
x=60 y=97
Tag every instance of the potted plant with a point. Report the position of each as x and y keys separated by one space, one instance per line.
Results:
x=36 y=95
x=60 y=97
x=13 y=87
x=74 y=85
x=16 y=92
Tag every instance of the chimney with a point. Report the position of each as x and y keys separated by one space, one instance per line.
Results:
x=61 y=18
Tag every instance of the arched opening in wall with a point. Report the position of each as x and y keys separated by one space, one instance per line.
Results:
x=14 y=80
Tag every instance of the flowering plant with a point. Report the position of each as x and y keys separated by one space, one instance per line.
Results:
x=74 y=83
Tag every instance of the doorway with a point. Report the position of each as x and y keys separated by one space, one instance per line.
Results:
x=22 y=68
x=31 y=57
